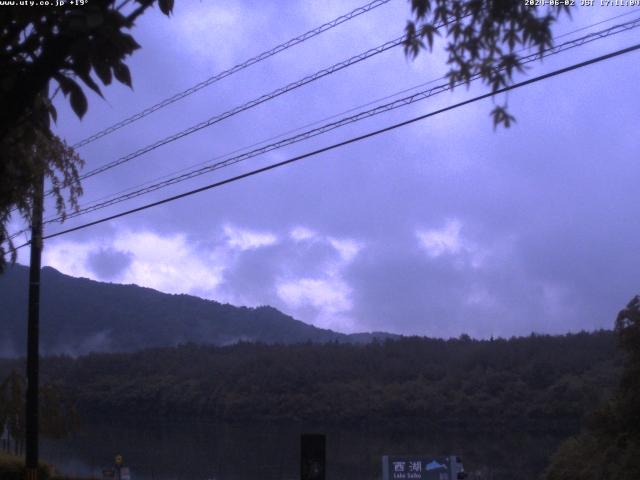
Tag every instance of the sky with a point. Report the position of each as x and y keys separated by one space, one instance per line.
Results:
x=439 y=228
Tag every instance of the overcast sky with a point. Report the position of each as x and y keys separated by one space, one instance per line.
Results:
x=442 y=227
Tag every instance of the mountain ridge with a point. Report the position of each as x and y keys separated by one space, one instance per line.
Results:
x=81 y=315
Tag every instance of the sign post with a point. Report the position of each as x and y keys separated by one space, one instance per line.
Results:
x=118 y=461
x=312 y=457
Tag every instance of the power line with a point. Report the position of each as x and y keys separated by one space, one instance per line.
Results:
x=419 y=96
x=273 y=94
x=336 y=115
x=288 y=44
x=226 y=73
x=606 y=20
x=246 y=106
x=280 y=135
x=255 y=102
x=346 y=142
x=171 y=179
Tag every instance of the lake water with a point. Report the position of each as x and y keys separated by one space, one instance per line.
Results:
x=199 y=450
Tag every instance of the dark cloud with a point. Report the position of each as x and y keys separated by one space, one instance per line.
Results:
x=252 y=276
x=109 y=264
x=410 y=292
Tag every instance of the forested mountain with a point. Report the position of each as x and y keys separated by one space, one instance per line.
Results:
x=538 y=382
x=81 y=316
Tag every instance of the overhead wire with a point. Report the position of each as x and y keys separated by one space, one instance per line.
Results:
x=418 y=96
x=263 y=141
x=226 y=73
x=591 y=25
x=246 y=106
x=244 y=148
x=252 y=103
x=264 y=98
x=263 y=56
x=257 y=101
x=324 y=119
x=352 y=140
x=422 y=95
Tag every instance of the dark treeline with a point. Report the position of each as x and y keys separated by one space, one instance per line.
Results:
x=538 y=382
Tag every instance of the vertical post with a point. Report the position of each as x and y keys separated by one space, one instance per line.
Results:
x=312 y=457
x=33 y=330
x=385 y=467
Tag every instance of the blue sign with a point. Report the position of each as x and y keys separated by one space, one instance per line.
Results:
x=417 y=467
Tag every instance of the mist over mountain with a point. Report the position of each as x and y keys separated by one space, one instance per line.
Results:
x=78 y=316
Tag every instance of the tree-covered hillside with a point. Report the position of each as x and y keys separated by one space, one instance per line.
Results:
x=81 y=316
x=539 y=382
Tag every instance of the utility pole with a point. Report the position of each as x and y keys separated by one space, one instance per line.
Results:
x=33 y=331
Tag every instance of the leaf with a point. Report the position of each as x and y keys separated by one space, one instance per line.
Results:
x=428 y=30
x=72 y=89
x=125 y=42
x=66 y=84
x=412 y=42
x=122 y=73
x=103 y=71
x=86 y=78
x=53 y=112
x=502 y=117
x=420 y=8
x=78 y=100
x=166 y=6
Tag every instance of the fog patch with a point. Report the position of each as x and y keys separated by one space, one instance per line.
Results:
x=8 y=350
x=97 y=342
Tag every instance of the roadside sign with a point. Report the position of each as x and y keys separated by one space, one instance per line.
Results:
x=119 y=460
x=124 y=473
x=416 y=467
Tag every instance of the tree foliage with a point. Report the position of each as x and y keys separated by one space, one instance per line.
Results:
x=482 y=38
x=64 y=45
x=610 y=445
x=12 y=408
x=28 y=153
x=537 y=382
x=66 y=48
x=58 y=416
